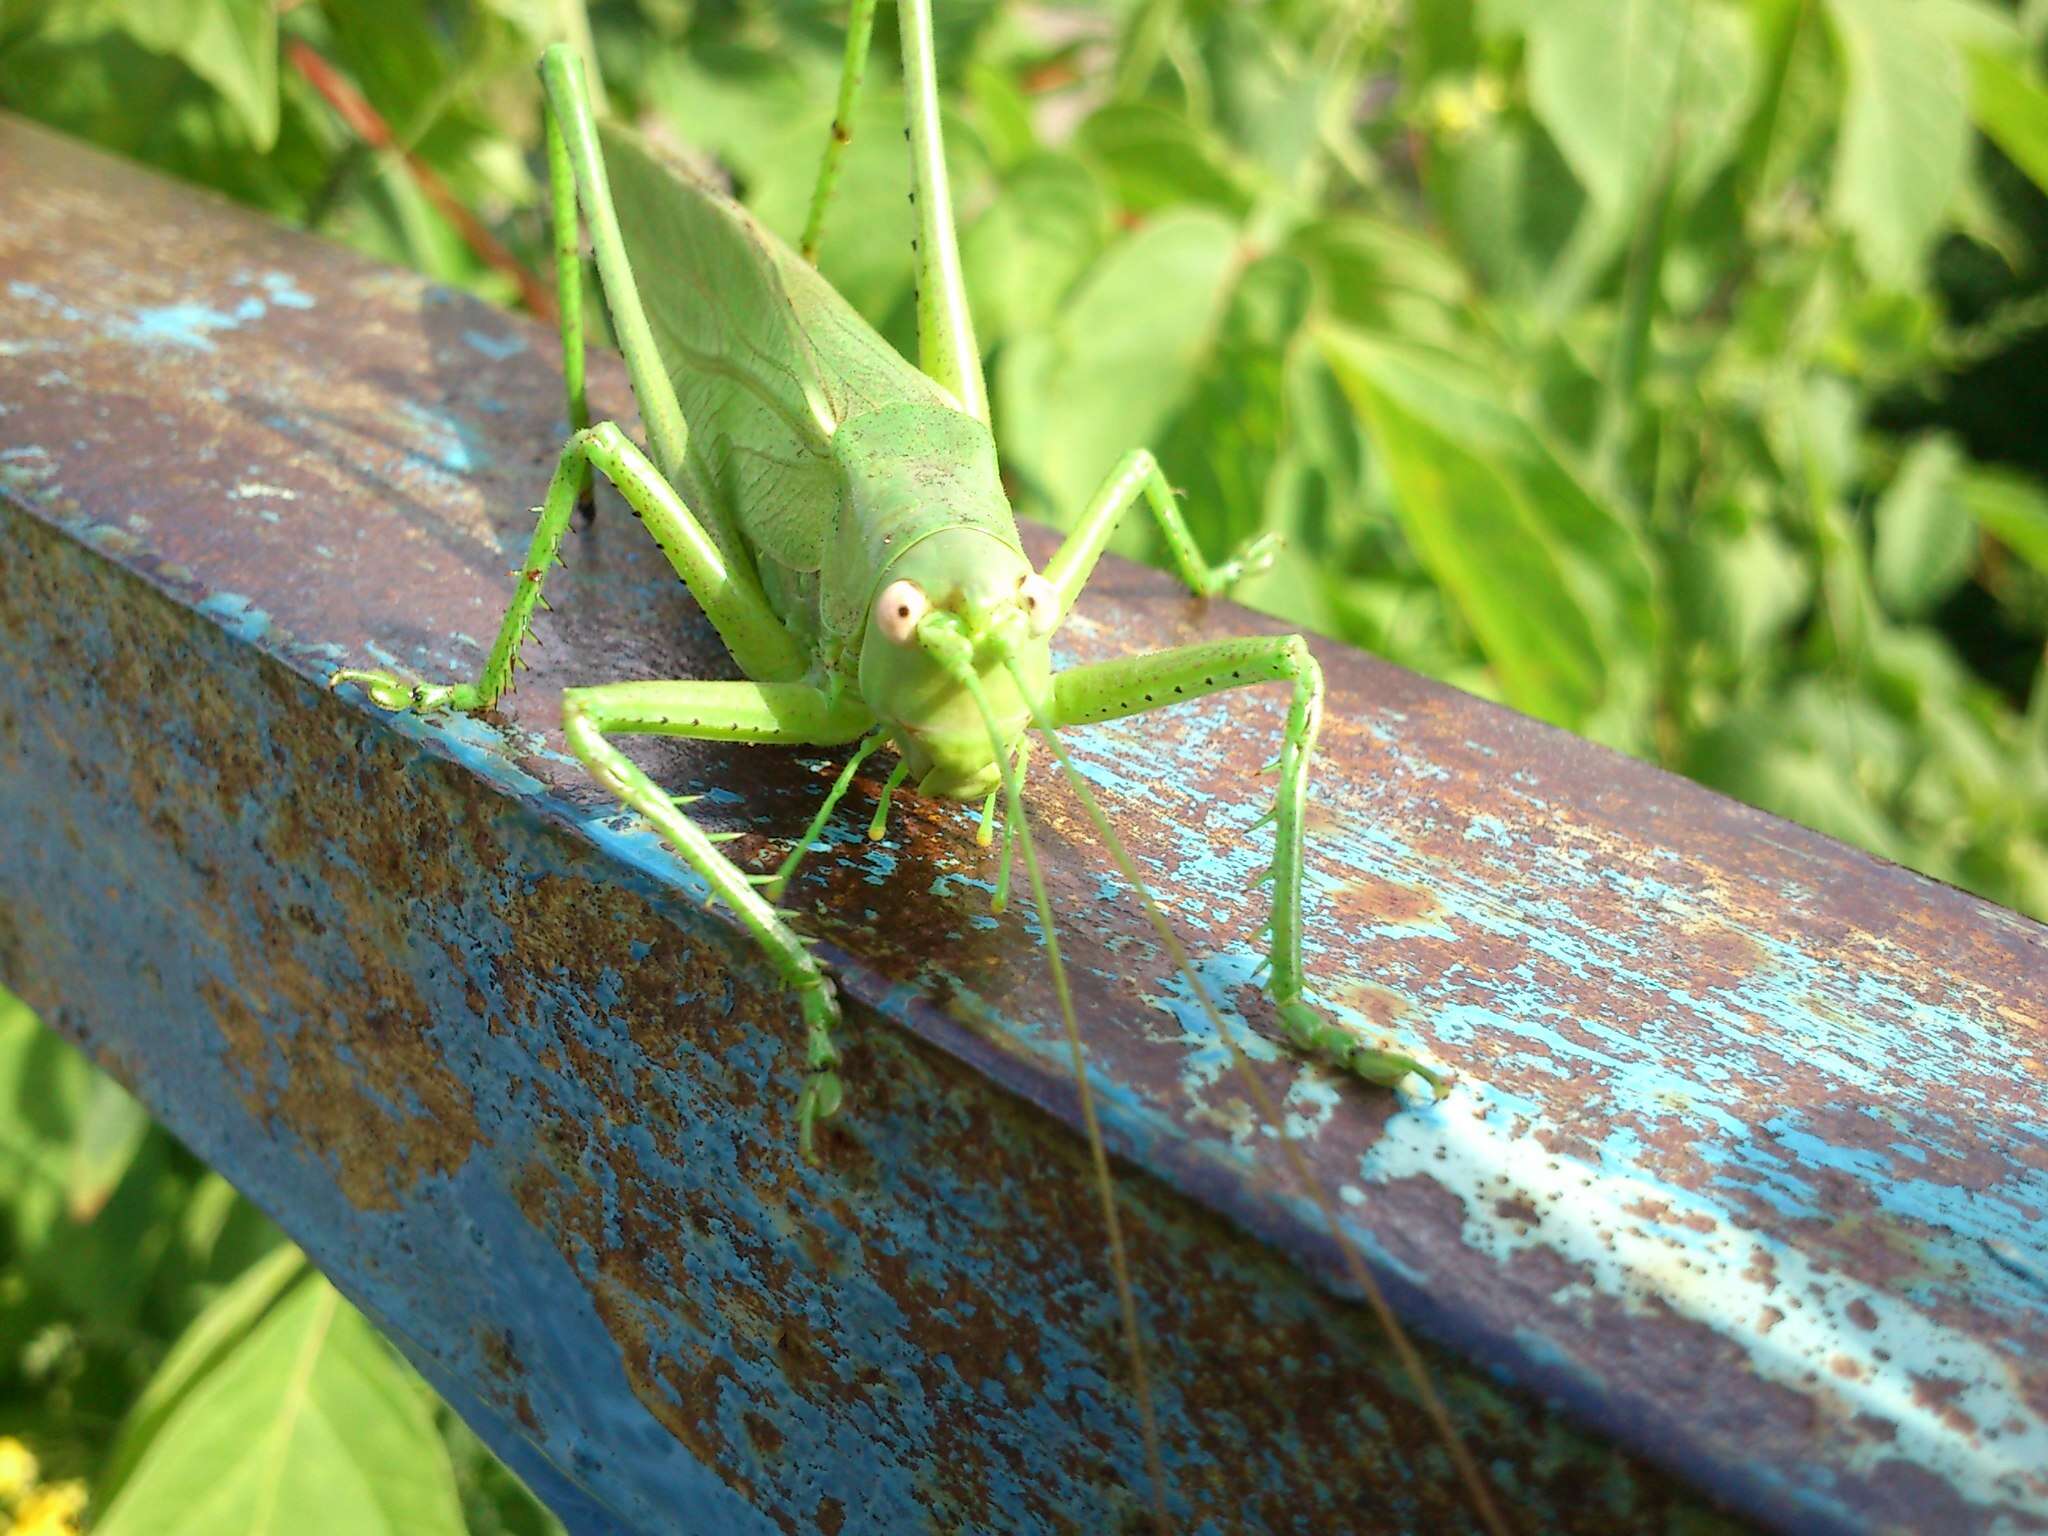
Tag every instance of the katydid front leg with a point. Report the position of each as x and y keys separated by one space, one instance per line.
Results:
x=785 y=712
x=793 y=714
x=1111 y=690
x=1138 y=476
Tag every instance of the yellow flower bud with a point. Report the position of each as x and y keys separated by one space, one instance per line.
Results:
x=51 y=1511
x=18 y=1469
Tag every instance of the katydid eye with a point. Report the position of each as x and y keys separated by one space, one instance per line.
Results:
x=898 y=609
x=1041 y=604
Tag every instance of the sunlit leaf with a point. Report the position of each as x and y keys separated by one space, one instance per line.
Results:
x=1924 y=532
x=225 y=1323
x=232 y=44
x=1760 y=758
x=2013 y=509
x=1622 y=84
x=1121 y=357
x=1474 y=531
x=308 y=1427
x=1905 y=131
x=1156 y=159
x=1048 y=222
x=2011 y=106
x=111 y=1126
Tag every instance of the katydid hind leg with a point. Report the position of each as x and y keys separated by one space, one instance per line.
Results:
x=573 y=147
x=946 y=349
x=786 y=713
x=1136 y=478
x=860 y=34
x=568 y=245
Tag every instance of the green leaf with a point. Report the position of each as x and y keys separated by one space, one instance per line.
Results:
x=1619 y=84
x=2012 y=509
x=1739 y=588
x=1596 y=542
x=1378 y=274
x=1511 y=204
x=231 y=44
x=308 y=1427
x=1924 y=533
x=1602 y=74
x=1799 y=102
x=43 y=1083
x=1905 y=132
x=1474 y=531
x=1269 y=95
x=494 y=1501
x=225 y=1323
x=1158 y=159
x=1047 y=224
x=1119 y=360
x=111 y=1127
x=1442 y=37
x=1224 y=444
x=2011 y=107
x=1760 y=758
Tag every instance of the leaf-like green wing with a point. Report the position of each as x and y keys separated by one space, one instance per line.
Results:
x=766 y=358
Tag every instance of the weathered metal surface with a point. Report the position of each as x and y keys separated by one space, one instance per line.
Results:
x=1746 y=1165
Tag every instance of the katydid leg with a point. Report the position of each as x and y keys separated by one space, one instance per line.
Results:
x=573 y=147
x=568 y=287
x=860 y=32
x=1110 y=690
x=731 y=597
x=790 y=713
x=786 y=871
x=946 y=349
x=1139 y=476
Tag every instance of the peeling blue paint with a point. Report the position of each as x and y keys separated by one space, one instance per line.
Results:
x=496 y=347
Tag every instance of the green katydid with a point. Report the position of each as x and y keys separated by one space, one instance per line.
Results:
x=838 y=515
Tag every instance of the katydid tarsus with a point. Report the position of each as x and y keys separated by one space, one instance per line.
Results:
x=838 y=515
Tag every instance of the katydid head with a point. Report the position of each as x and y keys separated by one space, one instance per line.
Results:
x=955 y=598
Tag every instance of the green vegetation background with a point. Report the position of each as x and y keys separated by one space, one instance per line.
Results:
x=1670 y=369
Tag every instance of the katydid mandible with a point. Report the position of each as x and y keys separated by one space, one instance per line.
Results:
x=839 y=516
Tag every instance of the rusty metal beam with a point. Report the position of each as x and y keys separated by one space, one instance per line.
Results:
x=1741 y=1193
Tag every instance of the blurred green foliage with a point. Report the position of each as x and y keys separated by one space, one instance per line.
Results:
x=1670 y=369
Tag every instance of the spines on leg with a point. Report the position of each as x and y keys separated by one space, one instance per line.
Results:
x=1133 y=685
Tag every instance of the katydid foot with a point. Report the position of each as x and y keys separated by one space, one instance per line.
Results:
x=388 y=691
x=1315 y=1035
x=822 y=1093
x=1254 y=558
